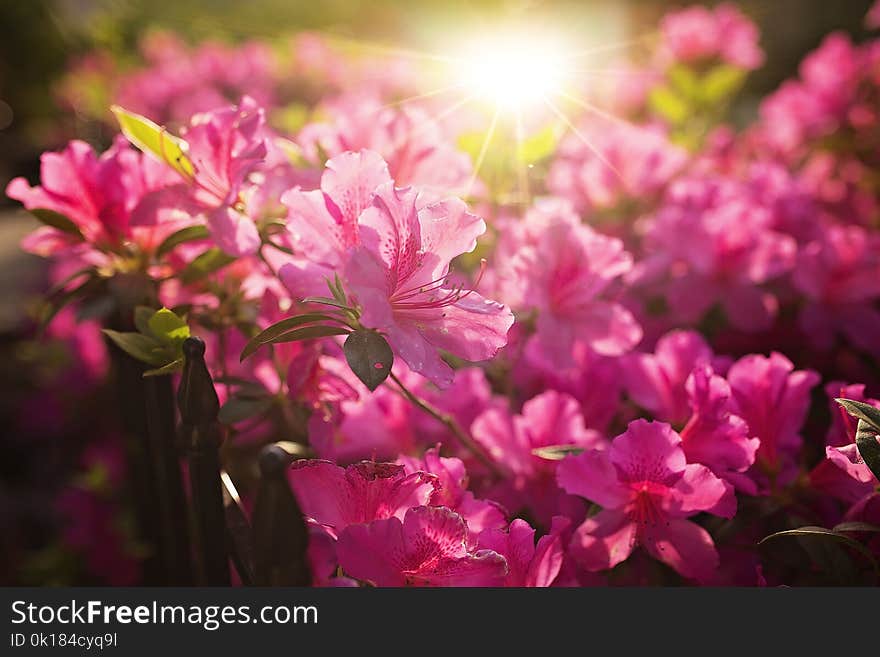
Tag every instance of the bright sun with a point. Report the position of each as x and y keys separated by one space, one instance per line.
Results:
x=513 y=73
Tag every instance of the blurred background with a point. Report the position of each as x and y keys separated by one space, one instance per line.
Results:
x=60 y=65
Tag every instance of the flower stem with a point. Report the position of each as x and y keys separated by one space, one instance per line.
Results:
x=452 y=424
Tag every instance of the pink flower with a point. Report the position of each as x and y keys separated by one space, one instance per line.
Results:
x=225 y=146
x=773 y=399
x=842 y=431
x=107 y=198
x=407 y=138
x=429 y=548
x=338 y=497
x=452 y=492
x=872 y=19
x=696 y=34
x=656 y=381
x=549 y=419
x=843 y=474
x=621 y=163
x=324 y=223
x=529 y=565
x=840 y=276
x=647 y=491
x=594 y=380
x=718 y=246
x=716 y=437
x=564 y=274
x=399 y=276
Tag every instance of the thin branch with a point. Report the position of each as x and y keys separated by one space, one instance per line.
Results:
x=452 y=424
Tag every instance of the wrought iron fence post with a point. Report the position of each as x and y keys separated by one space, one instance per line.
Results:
x=279 y=529
x=147 y=408
x=198 y=404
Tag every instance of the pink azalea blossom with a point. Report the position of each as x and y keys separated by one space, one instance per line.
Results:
x=840 y=277
x=773 y=398
x=452 y=492
x=428 y=548
x=529 y=565
x=407 y=138
x=550 y=419
x=656 y=381
x=399 y=276
x=593 y=380
x=225 y=146
x=716 y=437
x=564 y=274
x=622 y=163
x=647 y=492
x=107 y=198
x=698 y=34
x=718 y=246
x=337 y=497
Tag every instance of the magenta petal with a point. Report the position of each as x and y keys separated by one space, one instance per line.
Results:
x=603 y=540
x=591 y=475
x=683 y=545
x=233 y=232
x=373 y=552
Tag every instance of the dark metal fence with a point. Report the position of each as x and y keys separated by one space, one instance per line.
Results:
x=195 y=532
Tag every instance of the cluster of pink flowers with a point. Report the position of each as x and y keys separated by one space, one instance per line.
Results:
x=625 y=373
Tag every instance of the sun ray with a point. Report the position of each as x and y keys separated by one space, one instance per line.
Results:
x=482 y=154
x=594 y=109
x=397 y=51
x=619 y=45
x=427 y=94
x=582 y=137
x=416 y=129
x=522 y=171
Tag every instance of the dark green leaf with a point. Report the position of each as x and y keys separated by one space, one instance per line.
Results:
x=309 y=333
x=140 y=347
x=369 y=357
x=868 y=446
x=557 y=452
x=856 y=526
x=811 y=532
x=237 y=409
x=188 y=234
x=57 y=220
x=205 y=264
x=142 y=316
x=266 y=336
x=862 y=411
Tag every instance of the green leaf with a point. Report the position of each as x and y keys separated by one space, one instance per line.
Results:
x=188 y=234
x=684 y=79
x=862 y=411
x=237 y=409
x=326 y=301
x=155 y=140
x=142 y=315
x=368 y=356
x=721 y=83
x=822 y=532
x=205 y=264
x=168 y=327
x=174 y=366
x=856 y=526
x=309 y=333
x=57 y=220
x=669 y=105
x=868 y=446
x=139 y=347
x=538 y=146
x=557 y=452
x=266 y=336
